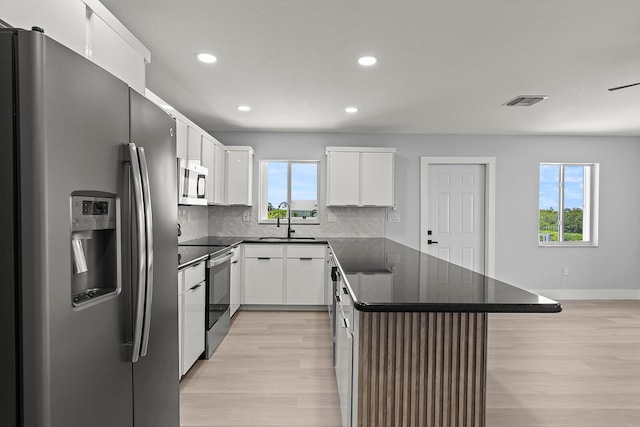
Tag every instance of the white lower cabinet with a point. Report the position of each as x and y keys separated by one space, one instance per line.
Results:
x=292 y=274
x=263 y=274
x=193 y=334
x=345 y=357
x=305 y=274
x=235 y=297
x=191 y=315
x=263 y=281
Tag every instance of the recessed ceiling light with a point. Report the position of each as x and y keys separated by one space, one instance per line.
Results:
x=367 y=60
x=207 y=58
x=351 y=110
x=243 y=108
x=167 y=107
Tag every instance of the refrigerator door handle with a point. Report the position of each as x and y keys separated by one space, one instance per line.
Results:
x=138 y=207
x=146 y=190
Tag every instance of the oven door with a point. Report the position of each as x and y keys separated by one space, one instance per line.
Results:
x=218 y=294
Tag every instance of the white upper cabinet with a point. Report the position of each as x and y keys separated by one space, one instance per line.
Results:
x=376 y=179
x=213 y=158
x=208 y=161
x=239 y=175
x=219 y=175
x=181 y=138
x=194 y=145
x=360 y=176
x=89 y=29
x=343 y=173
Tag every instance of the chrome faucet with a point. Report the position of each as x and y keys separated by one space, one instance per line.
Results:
x=289 y=230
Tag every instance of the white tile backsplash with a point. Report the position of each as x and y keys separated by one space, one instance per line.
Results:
x=194 y=222
x=349 y=222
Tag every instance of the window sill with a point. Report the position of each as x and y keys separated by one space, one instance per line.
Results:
x=567 y=245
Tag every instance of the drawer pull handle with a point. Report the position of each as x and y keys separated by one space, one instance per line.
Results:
x=265 y=258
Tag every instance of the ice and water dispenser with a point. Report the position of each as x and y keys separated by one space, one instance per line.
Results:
x=95 y=247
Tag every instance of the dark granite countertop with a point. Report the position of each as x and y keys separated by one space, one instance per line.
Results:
x=385 y=276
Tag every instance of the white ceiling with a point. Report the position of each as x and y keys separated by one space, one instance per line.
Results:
x=445 y=66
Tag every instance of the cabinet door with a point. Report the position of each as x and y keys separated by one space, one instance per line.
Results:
x=263 y=281
x=193 y=327
x=239 y=165
x=344 y=368
x=305 y=281
x=235 y=296
x=343 y=172
x=113 y=53
x=376 y=179
x=208 y=161
x=181 y=139
x=194 y=145
x=219 y=176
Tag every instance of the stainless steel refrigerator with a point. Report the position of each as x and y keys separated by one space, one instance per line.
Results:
x=88 y=300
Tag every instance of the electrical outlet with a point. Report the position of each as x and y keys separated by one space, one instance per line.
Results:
x=565 y=270
x=246 y=215
x=393 y=217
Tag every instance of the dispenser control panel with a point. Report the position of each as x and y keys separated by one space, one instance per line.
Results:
x=92 y=213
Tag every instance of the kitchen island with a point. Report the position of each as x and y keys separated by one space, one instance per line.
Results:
x=410 y=330
x=411 y=334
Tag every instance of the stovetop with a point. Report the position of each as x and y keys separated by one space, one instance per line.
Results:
x=212 y=241
x=190 y=254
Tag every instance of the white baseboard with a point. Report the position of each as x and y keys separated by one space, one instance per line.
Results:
x=582 y=294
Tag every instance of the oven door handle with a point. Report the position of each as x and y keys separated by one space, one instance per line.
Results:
x=220 y=260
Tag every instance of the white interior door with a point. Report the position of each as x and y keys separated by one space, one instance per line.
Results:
x=455 y=217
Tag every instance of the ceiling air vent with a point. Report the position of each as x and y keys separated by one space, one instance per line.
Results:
x=525 y=100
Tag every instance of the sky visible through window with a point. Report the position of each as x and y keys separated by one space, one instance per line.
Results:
x=573 y=186
x=304 y=185
x=277 y=181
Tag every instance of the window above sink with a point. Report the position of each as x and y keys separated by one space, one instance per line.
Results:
x=289 y=187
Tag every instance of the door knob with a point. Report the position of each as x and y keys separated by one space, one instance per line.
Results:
x=431 y=242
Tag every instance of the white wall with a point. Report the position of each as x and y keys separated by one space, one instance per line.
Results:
x=611 y=270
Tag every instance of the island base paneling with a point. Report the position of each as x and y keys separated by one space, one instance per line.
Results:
x=421 y=369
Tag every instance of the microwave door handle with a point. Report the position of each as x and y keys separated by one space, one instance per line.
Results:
x=139 y=282
x=200 y=181
x=146 y=194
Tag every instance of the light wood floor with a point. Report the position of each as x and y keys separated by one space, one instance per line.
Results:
x=272 y=369
x=580 y=368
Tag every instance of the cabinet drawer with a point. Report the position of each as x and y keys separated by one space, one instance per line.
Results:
x=193 y=275
x=267 y=250
x=306 y=251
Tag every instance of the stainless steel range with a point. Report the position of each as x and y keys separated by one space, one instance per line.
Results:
x=218 y=314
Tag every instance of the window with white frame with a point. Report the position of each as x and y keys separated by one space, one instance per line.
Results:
x=289 y=187
x=568 y=204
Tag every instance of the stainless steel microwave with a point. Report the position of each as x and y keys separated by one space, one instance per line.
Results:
x=192 y=183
